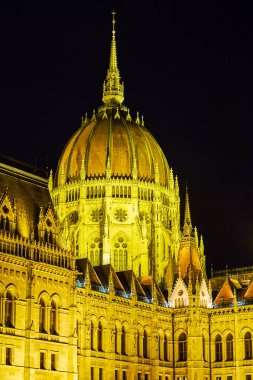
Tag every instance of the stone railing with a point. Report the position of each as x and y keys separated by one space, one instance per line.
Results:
x=37 y=251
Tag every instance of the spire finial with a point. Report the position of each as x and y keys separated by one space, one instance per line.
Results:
x=113 y=89
x=113 y=20
x=187 y=215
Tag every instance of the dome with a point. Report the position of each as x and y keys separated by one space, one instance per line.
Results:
x=111 y=143
x=111 y=136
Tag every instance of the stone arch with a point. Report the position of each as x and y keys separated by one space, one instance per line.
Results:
x=214 y=333
x=94 y=320
x=243 y=331
x=226 y=333
x=180 y=331
x=104 y=322
x=13 y=290
x=57 y=299
x=126 y=325
x=45 y=296
x=2 y=288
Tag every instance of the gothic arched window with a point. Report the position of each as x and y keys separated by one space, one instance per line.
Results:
x=120 y=254
x=100 y=337
x=92 y=336
x=165 y=348
x=96 y=252
x=204 y=348
x=229 y=347
x=138 y=344
x=116 y=340
x=42 y=317
x=123 y=341
x=145 y=344
x=9 y=310
x=182 y=347
x=248 y=345
x=53 y=318
x=218 y=349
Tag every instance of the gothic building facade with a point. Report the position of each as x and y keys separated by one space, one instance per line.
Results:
x=97 y=278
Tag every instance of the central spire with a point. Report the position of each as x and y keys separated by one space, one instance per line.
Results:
x=113 y=89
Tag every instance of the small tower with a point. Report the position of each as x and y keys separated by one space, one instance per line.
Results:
x=189 y=271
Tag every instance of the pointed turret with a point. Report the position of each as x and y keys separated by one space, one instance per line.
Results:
x=188 y=256
x=113 y=89
x=187 y=229
x=50 y=181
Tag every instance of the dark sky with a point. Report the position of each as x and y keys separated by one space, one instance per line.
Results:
x=187 y=66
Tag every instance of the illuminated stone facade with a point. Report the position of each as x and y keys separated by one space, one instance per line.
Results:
x=98 y=281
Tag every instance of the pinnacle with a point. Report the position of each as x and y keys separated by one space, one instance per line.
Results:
x=113 y=89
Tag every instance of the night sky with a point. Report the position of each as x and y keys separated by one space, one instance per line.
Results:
x=187 y=66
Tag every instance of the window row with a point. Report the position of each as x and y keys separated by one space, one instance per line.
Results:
x=95 y=192
x=46 y=360
x=121 y=342
x=121 y=191
x=229 y=344
x=72 y=195
x=98 y=374
x=48 y=318
x=145 y=194
x=8 y=305
x=49 y=360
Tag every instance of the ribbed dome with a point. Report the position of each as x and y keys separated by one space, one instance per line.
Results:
x=128 y=145
x=111 y=144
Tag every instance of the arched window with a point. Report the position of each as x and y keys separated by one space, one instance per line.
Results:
x=182 y=348
x=96 y=252
x=78 y=330
x=248 y=345
x=100 y=337
x=218 y=349
x=123 y=341
x=92 y=340
x=204 y=348
x=4 y=221
x=159 y=347
x=50 y=237
x=116 y=340
x=120 y=254
x=145 y=344
x=165 y=348
x=53 y=318
x=138 y=344
x=42 y=320
x=9 y=310
x=77 y=243
x=229 y=346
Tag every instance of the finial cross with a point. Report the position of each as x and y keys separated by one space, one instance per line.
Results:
x=113 y=19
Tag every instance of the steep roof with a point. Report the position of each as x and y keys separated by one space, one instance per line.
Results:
x=28 y=191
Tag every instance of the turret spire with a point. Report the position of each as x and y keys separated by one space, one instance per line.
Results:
x=187 y=229
x=113 y=89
